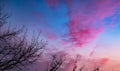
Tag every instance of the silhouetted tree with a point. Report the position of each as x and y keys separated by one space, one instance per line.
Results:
x=56 y=62
x=96 y=69
x=81 y=68
x=75 y=64
x=16 y=52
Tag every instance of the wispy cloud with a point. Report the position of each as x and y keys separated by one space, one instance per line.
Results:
x=87 y=19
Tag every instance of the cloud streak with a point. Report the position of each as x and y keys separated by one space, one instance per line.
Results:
x=87 y=19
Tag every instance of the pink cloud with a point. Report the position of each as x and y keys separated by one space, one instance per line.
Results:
x=50 y=35
x=103 y=61
x=87 y=19
x=52 y=3
x=48 y=32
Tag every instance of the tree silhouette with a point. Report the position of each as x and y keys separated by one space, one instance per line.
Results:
x=56 y=62
x=16 y=52
x=75 y=64
x=96 y=69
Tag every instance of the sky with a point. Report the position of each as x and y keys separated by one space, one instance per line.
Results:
x=90 y=28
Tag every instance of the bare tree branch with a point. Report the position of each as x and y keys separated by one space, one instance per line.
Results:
x=16 y=52
x=56 y=62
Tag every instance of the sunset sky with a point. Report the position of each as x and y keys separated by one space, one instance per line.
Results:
x=90 y=28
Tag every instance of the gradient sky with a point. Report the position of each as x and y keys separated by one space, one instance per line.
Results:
x=90 y=28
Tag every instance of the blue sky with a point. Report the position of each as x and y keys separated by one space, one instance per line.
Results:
x=54 y=20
